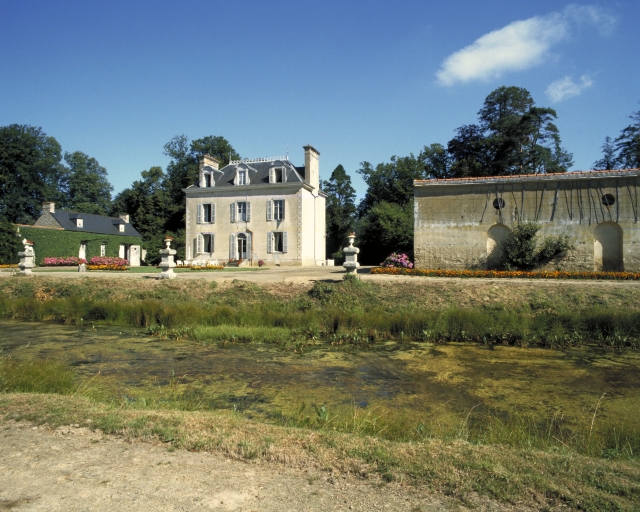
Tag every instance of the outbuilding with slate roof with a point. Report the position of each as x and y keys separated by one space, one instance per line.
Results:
x=257 y=209
x=63 y=233
x=462 y=223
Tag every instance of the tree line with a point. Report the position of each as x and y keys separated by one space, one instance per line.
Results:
x=511 y=136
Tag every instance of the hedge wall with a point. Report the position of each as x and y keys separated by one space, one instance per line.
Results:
x=49 y=243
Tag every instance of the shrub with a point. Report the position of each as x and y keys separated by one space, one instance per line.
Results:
x=396 y=260
x=260 y=263
x=521 y=248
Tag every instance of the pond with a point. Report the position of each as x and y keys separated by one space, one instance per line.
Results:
x=424 y=382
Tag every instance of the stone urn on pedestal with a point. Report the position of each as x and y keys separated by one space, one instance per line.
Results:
x=351 y=257
x=166 y=260
x=26 y=259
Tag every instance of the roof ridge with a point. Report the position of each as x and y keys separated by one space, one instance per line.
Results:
x=516 y=176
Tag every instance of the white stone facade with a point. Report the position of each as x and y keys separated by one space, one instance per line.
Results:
x=264 y=209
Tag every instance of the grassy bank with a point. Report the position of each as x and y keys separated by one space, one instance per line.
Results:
x=338 y=314
x=459 y=468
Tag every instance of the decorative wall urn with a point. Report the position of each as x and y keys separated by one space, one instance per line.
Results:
x=166 y=260
x=351 y=256
x=26 y=258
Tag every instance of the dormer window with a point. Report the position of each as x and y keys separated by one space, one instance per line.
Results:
x=242 y=177
x=276 y=175
x=76 y=219
x=207 y=179
x=120 y=224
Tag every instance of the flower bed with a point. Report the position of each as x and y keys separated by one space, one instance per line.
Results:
x=9 y=265
x=207 y=267
x=107 y=263
x=544 y=274
x=69 y=261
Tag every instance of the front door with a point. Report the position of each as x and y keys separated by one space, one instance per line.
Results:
x=242 y=246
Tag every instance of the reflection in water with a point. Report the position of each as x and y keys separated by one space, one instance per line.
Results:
x=260 y=378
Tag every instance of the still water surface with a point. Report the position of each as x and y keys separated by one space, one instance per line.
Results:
x=260 y=378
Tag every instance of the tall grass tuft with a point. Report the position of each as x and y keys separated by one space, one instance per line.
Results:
x=35 y=377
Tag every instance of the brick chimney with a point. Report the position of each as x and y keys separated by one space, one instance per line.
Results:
x=125 y=217
x=48 y=207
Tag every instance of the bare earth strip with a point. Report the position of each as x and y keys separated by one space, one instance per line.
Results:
x=75 y=469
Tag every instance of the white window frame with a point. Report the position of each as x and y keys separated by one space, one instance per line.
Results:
x=236 y=213
x=120 y=228
x=242 y=177
x=79 y=222
x=271 y=242
x=208 y=179
x=103 y=249
x=278 y=209
x=272 y=210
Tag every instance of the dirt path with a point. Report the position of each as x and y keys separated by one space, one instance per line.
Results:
x=308 y=275
x=75 y=469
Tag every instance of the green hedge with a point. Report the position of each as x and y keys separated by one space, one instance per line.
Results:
x=50 y=243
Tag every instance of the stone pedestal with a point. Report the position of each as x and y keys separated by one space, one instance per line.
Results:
x=166 y=261
x=26 y=259
x=351 y=257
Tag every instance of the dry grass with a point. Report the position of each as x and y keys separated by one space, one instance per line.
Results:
x=459 y=469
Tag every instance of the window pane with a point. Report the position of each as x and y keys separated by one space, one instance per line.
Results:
x=242 y=211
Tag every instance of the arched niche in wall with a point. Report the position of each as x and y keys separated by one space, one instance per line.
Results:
x=496 y=236
x=607 y=247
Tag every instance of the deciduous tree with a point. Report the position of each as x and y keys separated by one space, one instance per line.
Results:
x=30 y=170
x=341 y=209
x=85 y=185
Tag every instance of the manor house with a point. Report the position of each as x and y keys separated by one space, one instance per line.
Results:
x=462 y=223
x=262 y=209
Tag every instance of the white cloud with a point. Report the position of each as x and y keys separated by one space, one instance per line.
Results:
x=564 y=88
x=518 y=46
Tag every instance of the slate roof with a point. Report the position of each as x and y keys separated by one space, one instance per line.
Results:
x=93 y=223
x=258 y=173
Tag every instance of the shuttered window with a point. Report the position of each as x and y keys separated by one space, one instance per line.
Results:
x=277 y=241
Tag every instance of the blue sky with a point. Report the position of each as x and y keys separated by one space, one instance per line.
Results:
x=357 y=80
